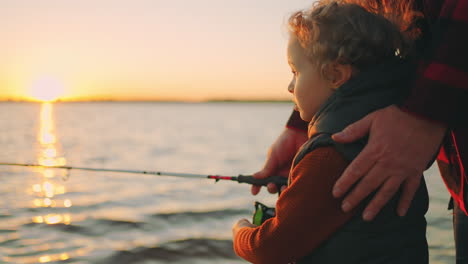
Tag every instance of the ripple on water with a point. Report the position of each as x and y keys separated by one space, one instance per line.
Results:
x=39 y=251
x=190 y=216
x=182 y=251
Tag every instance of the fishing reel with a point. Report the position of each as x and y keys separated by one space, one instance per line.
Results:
x=262 y=213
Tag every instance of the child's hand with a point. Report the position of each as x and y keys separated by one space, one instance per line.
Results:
x=241 y=224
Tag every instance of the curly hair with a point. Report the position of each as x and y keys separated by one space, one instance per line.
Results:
x=360 y=33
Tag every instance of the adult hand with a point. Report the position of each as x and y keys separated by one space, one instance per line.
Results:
x=399 y=149
x=280 y=156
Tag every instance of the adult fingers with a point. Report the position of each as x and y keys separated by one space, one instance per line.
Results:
x=355 y=171
x=385 y=193
x=409 y=191
x=264 y=173
x=271 y=187
x=255 y=189
x=367 y=185
x=269 y=168
x=355 y=131
x=267 y=171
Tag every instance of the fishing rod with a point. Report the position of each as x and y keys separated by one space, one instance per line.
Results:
x=249 y=179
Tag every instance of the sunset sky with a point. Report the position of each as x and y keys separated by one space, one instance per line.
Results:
x=145 y=49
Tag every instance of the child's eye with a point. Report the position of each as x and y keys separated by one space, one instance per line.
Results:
x=294 y=73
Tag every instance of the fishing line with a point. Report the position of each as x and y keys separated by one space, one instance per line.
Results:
x=249 y=179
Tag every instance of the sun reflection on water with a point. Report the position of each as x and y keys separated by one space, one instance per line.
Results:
x=49 y=190
x=47 y=258
x=48 y=155
x=52 y=219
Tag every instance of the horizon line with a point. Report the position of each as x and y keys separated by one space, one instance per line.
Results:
x=266 y=100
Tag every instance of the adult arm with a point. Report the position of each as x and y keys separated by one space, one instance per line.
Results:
x=440 y=92
x=282 y=152
x=306 y=213
x=402 y=142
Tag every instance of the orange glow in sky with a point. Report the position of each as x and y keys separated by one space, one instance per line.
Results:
x=144 y=50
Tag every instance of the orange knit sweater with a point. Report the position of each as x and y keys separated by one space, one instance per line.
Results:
x=306 y=213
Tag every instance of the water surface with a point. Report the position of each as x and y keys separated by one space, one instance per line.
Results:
x=51 y=216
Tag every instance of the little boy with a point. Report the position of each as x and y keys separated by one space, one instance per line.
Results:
x=347 y=62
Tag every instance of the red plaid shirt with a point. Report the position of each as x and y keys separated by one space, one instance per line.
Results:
x=440 y=91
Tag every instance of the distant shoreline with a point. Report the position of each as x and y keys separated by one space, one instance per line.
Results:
x=155 y=101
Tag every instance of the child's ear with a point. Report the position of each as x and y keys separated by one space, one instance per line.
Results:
x=338 y=74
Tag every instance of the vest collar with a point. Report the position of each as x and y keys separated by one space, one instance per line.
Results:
x=370 y=90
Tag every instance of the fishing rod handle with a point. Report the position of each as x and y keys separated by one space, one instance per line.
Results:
x=277 y=180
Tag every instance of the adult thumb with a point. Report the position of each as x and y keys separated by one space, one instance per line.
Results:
x=268 y=169
x=355 y=131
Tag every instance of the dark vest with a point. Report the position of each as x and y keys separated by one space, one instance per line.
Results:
x=388 y=238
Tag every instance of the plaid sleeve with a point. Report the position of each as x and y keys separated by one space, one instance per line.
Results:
x=440 y=91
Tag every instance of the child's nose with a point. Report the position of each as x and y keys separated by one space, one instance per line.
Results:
x=291 y=85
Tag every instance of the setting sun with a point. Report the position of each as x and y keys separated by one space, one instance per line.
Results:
x=47 y=89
